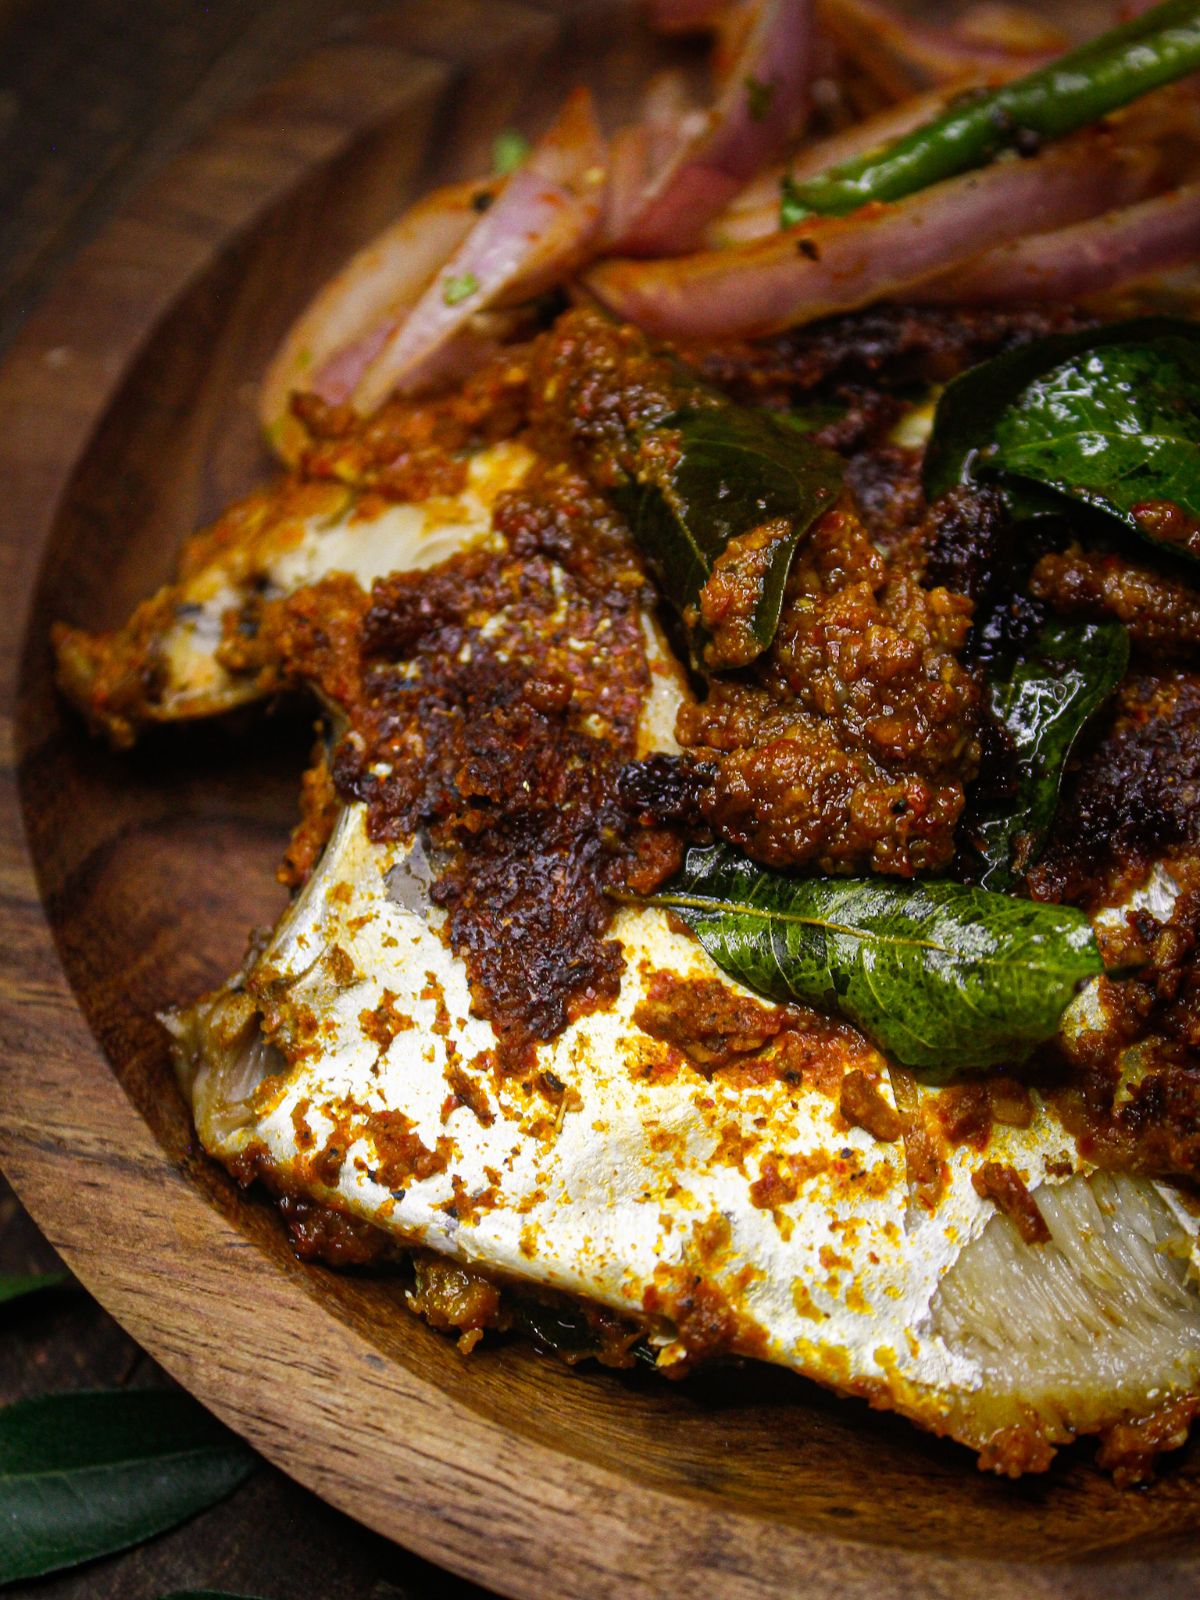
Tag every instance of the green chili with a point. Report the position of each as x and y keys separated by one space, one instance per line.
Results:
x=1068 y=93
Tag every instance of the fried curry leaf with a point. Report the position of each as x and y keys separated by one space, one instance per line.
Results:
x=938 y=975
x=1045 y=702
x=85 y=1474
x=14 y=1286
x=1107 y=419
x=721 y=498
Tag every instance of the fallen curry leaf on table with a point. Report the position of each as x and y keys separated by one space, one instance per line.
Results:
x=16 y=1285
x=84 y=1474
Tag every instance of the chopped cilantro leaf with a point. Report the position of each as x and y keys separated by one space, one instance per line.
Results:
x=460 y=288
x=509 y=149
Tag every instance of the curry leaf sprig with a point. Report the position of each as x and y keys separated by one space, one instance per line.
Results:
x=1071 y=92
x=717 y=495
x=1100 y=428
x=15 y=1286
x=939 y=976
x=205 y=1594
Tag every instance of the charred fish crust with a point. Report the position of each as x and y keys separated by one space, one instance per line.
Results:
x=1137 y=794
x=492 y=702
x=664 y=789
x=208 y=642
x=975 y=549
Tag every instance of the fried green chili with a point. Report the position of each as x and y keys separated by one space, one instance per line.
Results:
x=1069 y=93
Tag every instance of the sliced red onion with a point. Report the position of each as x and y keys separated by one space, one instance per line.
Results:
x=628 y=164
x=535 y=234
x=1019 y=30
x=344 y=327
x=755 y=211
x=831 y=264
x=667 y=111
x=902 y=54
x=668 y=116
x=760 y=107
x=1119 y=248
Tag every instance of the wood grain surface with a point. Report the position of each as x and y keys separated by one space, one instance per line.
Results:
x=125 y=418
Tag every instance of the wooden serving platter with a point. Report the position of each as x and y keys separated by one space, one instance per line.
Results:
x=125 y=419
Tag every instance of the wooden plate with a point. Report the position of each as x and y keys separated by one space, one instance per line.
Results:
x=125 y=418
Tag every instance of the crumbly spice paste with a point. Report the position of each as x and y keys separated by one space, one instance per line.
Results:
x=851 y=746
x=490 y=704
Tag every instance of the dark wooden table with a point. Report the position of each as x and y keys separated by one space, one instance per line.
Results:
x=95 y=95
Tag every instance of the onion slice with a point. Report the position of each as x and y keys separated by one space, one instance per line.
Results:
x=1019 y=30
x=754 y=213
x=535 y=235
x=902 y=54
x=761 y=105
x=343 y=328
x=667 y=118
x=831 y=264
x=1109 y=252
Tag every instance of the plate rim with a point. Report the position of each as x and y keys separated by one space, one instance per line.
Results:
x=65 y=1122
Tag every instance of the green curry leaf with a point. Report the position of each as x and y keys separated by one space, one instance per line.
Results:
x=14 y=1286
x=722 y=490
x=938 y=975
x=1107 y=419
x=85 y=1474
x=1044 y=703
